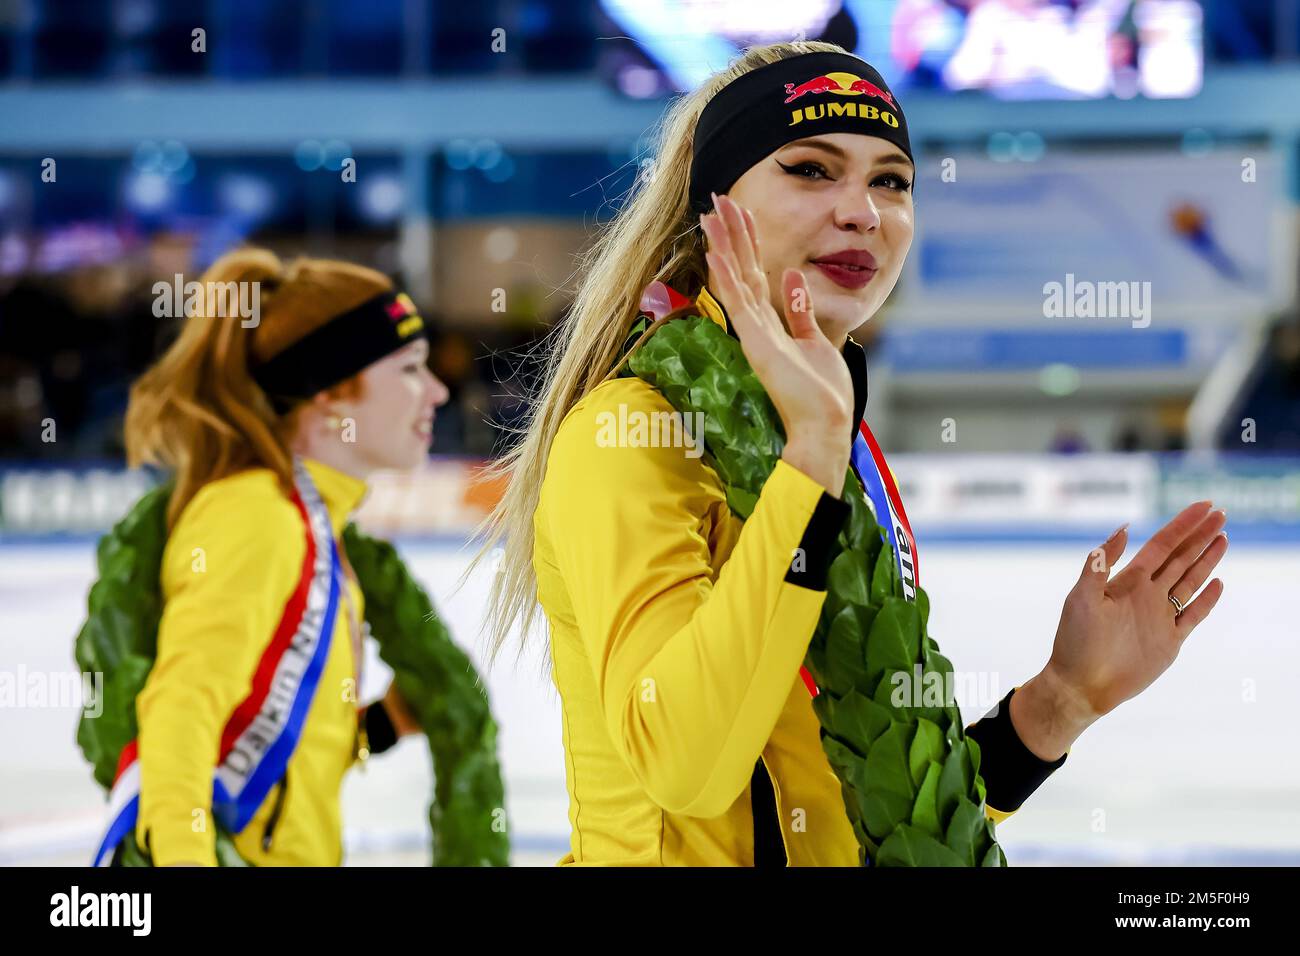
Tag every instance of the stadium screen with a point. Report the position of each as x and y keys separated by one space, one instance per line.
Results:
x=1013 y=49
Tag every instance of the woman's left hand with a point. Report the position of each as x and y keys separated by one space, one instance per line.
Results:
x=1118 y=634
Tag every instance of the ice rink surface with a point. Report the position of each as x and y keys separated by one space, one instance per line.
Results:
x=1201 y=769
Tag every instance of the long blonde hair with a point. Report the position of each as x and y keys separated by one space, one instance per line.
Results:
x=653 y=237
x=197 y=410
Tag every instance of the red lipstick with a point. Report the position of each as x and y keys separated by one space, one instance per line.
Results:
x=850 y=268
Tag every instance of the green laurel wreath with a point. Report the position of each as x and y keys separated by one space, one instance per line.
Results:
x=119 y=640
x=909 y=775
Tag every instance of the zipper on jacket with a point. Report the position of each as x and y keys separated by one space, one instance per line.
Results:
x=274 y=818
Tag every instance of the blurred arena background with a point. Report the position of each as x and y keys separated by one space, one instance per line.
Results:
x=1145 y=150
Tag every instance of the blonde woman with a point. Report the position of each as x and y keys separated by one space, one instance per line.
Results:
x=249 y=716
x=676 y=633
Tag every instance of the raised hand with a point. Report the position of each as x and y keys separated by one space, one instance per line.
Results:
x=803 y=373
x=1118 y=634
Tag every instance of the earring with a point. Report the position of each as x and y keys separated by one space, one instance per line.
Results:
x=333 y=421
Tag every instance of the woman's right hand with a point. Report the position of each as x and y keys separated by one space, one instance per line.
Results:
x=803 y=373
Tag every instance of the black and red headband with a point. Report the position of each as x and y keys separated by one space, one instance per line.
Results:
x=340 y=348
x=759 y=112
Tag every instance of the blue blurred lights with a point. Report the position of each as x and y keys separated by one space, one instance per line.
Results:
x=147 y=157
x=382 y=197
x=1025 y=147
x=309 y=155
x=173 y=156
x=312 y=154
x=1002 y=147
x=249 y=197
x=334 y=152
x=148 y=192
x=459 y=154
x=485 y=155
x=170 y=160
x=1030 y=147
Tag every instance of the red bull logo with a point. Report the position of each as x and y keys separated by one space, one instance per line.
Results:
x=402 y=311
x=845 y=85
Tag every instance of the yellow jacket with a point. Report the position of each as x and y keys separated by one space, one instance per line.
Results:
x=230 y=564
x=676 y=643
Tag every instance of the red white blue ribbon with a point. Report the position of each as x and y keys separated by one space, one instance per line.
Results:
x=878 y=482
x=264 y=730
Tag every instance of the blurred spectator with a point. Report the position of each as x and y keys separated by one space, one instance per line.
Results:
x=1068 y=440
x=1270 y=400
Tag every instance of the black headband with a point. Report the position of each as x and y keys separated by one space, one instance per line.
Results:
x=759 y=112
x=340 y=348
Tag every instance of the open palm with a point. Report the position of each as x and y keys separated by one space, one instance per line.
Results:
x=1118 y=634
x=804 y=374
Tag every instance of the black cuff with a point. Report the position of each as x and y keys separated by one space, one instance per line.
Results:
x=380 y=732
x=809 y=565
x=1011 y=771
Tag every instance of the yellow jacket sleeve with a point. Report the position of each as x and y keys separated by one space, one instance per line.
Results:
x=692 y=671
x=230 y=564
